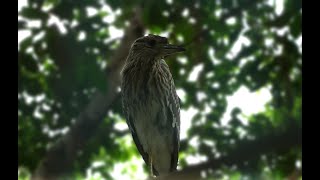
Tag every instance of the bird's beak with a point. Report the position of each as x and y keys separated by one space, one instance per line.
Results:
x=171 y=49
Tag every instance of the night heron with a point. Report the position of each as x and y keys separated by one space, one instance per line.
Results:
x=151 y=104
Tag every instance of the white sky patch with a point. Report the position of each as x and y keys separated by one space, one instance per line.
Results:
x=193 y=76
x=121 y=126
x=231 y=21
x=210 y=143
x=216 y=85
x=32 y=23
x=91 y=11
x=241 y=41
x=279 y=6
x=136 y=175
x=46 y=107
x=225 y=40
x=164 y=34
x=54 y=132
x=182 y=72
x=185 y=12
x=211 y=52
x=196 y=159
x=194 y=141
x=186 y=117
x=22 y=35
x=169 y=1
x=270 y=2
x=249 y=102
x=241 y=132
x=91 y=174
x=282 y=31
x=207 y=109
x=212 y=57
x=74 y=23
x=37 y=114
x=108 y=19
x=236 y=48
x=245 y=60
x=118 y=12
x=28 y=99
x=182 y=60
x=134 y=162
x=115 y=32
x=21 y=4
x=192 y=20
x=218 y=13
x=165 y=13
x=40 y=98
x=199 y=122
x=298 y=164
x=245 y=23
x=268 y=42
x=54 y=20
x=47 y=7
x=81 y=36
x=97 y=164
x=278 y=49
x=298 y=41
x=182 y=94
x=210 y=75
x=201 y=96
x=233 y=79
x=111 y=15
x=105 y=7
x=38 y=36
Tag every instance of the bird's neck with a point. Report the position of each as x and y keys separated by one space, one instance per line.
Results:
x=140 y=68
x=145 y=66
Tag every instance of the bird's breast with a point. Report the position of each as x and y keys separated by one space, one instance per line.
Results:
x=145 y=85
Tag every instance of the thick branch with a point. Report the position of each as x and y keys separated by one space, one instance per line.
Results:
x=247 y=150
x=59 y=159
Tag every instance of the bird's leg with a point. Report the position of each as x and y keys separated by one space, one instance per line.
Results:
x=151 y=165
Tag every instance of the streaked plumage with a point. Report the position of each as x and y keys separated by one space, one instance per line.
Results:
x=151 y=104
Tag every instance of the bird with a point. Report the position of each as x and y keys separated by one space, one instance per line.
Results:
x=150 y=102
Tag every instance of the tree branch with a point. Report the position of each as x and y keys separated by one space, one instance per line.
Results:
x=230 y=13
x=59 y=159
x=247 y=150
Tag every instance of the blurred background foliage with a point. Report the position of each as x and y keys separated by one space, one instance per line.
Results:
x=255 y=44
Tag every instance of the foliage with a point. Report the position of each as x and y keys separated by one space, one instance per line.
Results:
x=58 y=73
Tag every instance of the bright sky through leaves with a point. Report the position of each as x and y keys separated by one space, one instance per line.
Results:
x=249 y=102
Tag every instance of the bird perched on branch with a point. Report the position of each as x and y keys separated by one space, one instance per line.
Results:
x=151 y=104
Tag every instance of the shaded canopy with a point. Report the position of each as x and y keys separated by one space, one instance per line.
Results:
x=64 y=64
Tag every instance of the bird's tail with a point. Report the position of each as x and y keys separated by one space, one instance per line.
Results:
x=153 y=171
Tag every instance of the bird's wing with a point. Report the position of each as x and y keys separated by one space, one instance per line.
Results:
x=173 y=106
x=129 y=120
x=175 y=110
x=134 y=134
x=136 y=140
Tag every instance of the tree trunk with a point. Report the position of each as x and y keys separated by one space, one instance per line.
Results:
x=59 y=159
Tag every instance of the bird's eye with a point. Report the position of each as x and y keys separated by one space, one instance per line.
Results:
x=151 y=43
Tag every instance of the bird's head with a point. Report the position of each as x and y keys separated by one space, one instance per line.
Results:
x=154 y=46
